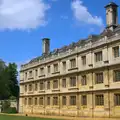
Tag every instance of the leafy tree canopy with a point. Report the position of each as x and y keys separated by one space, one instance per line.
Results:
x=8 y=80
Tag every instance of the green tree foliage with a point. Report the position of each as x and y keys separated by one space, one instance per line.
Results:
x=13 y=83
x=8 y=81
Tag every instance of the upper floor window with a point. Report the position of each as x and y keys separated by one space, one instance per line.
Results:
x=64 y=83
x=117 y=99
x=36 y=72
x=25 y=88
x=64 y=65
x=72 y=81
x=55 y=67
x=116 y=52
x=41 y=101
x=48 y=69
x=55 y=84
x=64 y=100
x=48 y=100
x=84 y=99
x=83 y=60
x=72 y=100
x=73 y=63
x=26 y=75
x=41 y=85
x=36 y=86
x=42 y=71
x=30 y=101
x=99 y=100
x=117 y=75
x=30 y=87
x=55 y=100
x=83 y=80
x=98 y=56
x=30 y=74
x=48 y=85
x=25 y=101
x=99 y=78
x=36 y=102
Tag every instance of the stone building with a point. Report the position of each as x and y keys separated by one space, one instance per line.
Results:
x=81 y=79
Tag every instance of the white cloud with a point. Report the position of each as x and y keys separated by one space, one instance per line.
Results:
x=82 y=14
x=22 y=14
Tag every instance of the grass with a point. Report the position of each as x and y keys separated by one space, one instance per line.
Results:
x=10 y=117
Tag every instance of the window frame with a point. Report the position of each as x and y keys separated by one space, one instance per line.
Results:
x=98 y=56
x=99 y=100
x=73 y=101
x=99 y=78
x=84 y=80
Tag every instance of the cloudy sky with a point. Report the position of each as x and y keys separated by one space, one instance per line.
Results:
x=23 y=23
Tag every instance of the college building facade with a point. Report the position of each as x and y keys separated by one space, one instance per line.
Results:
x=81 y=79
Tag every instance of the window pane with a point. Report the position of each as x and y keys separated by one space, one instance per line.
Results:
x=117 y=99
x=83 y=80
x=98 y=56
x=84 y=100
x=99 y=78
x=117 y=75
x=64 y=83
x=99 y=100
x=72 y=100
x=116 y=51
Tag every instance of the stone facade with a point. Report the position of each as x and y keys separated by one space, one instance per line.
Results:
x=82 y=79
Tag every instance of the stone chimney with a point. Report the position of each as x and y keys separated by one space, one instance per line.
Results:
x=45 y=45
x=111 y=15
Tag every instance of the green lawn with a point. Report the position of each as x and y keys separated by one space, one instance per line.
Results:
x=9 y=117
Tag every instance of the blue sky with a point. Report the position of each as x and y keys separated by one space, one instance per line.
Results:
x=24 y=23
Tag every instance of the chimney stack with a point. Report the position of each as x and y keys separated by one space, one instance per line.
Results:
x=111 y=15
x=45 y=45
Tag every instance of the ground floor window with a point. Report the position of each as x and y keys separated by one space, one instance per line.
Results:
x=55 y=100
x=30 y=101
x=84 y=100
x=25 y=101
x=48 y=100
x=72 y=100
x=64 y=100
x=117 y=99
x=41 y=101
x=35 y=101
x=99 y=100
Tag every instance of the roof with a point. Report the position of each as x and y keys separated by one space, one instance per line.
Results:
x=111 y=4
x=92 y=38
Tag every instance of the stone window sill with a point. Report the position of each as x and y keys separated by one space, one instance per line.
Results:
x=73 y=88
x=30 y=78
x=106 y=61
x=55 y=90
x=56 y=72
x=75 y=68
x=42 y=76
x=41 y=91
x=31 y=92
x=91 y=87
x=90 y=65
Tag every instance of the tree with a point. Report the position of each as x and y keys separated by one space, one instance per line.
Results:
x=4 y=88
x=8 y=81
x=13 y=82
